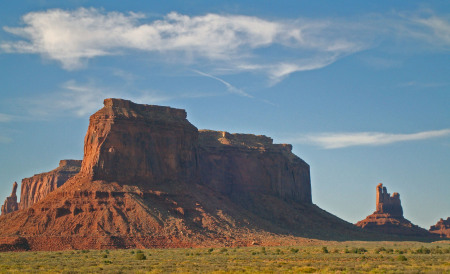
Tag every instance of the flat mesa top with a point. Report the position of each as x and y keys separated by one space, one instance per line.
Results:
x=114 y=107
x=219 y=138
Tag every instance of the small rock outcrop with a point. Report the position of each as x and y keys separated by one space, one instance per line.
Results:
x=11 y=204
x=35 y=188
x=441 y=228
x=388 y=217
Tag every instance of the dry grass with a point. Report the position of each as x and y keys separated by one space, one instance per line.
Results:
x=378 y=257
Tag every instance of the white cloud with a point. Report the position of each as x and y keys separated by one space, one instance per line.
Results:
x=230 y=43
x=341 y=140
x=73 y=37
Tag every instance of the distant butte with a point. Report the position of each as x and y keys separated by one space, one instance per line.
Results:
x=388 y=217
x=35 y=188
x=441 y=228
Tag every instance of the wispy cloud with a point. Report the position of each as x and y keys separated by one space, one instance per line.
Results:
x=4 y=135
x=234 y=43
x=82 y=99
x=73 y=37
x=230 y=87
x=5 y=139
x=342 y=140
x=4 y=118
x=426 y=26
x=424 y=85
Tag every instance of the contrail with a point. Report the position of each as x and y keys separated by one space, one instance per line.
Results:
x=229 y=86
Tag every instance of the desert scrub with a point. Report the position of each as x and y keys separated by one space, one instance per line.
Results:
x=270 y=259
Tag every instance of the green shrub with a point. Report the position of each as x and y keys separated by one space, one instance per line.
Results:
x=105 y=256
x=324 y=249
x=401 y=258
x=307 y=269
x=423 y=250
x=380 y=249
x=360 y=250
x=140 y=256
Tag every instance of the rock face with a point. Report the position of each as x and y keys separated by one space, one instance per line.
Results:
x=388 y=217
x=247 y=164
x=441 y=228
x=35 y=188
x=149 y=178
x=128 y=142
x=10 y=204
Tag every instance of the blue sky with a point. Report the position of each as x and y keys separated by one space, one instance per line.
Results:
x=360 y=88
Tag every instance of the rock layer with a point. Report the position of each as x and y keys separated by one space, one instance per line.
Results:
x=11 y=204
x=150 y=179
x=441 y=228
x=388 y=217
x=35 y=188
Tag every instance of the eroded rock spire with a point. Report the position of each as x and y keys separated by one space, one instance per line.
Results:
x=11 y=204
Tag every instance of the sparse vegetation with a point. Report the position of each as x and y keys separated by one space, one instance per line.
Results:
x=385 y=257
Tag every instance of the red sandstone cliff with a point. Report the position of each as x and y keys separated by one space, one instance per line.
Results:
x=149 y=179
x=10 y=204
x=248 y=164
x=441 y=228
x=388 y=217
x=128 y=142
x=35 y=188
